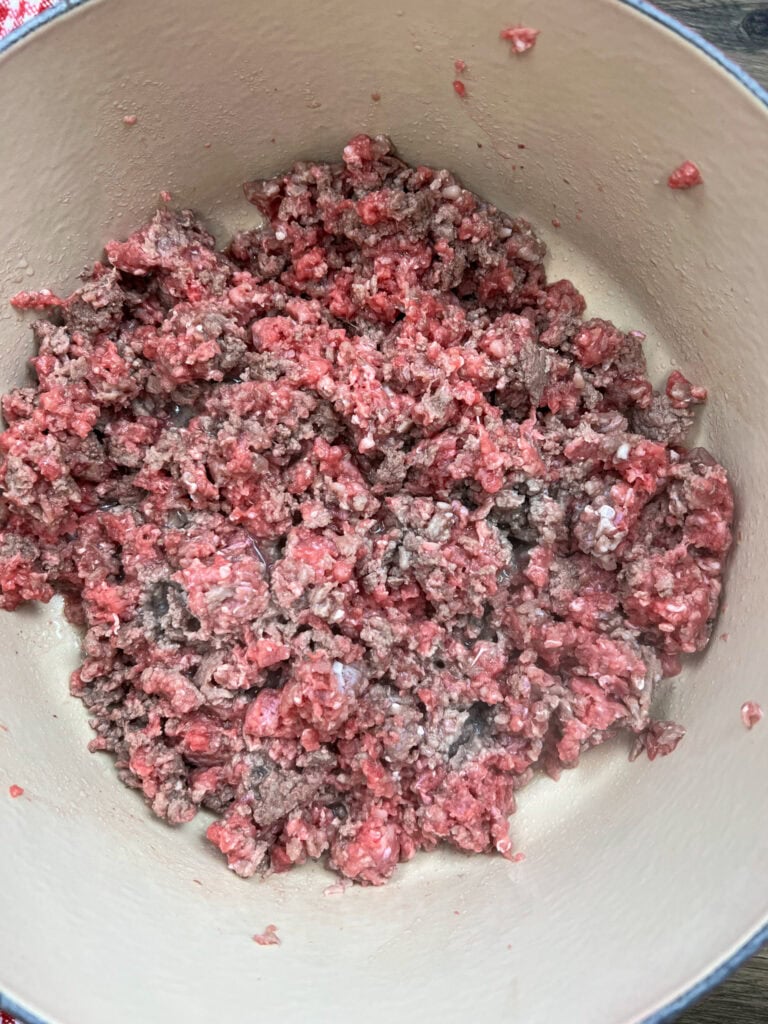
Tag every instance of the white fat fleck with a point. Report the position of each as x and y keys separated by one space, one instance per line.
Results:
x=606 y=544
x=622 y=452
x=347 y=676
x=606 y=525
x=451 y=192
x=280 y=235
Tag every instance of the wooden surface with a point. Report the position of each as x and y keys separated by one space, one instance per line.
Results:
x=740 y=29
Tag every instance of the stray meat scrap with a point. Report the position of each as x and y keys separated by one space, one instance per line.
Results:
x=685 y=176
x=520 y=38
x=751 y=713
x=268 y=937
x=362 y=520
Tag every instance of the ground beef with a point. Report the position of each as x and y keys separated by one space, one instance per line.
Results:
x=521 y=38
x=751 y=713
x=268 y=937
x=363 y=522
x=685 y=176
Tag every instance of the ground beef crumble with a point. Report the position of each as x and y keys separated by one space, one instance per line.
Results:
x=268 y=937
x=362 y=519
x=520 y=38
x=751 y=713
x=685 y=176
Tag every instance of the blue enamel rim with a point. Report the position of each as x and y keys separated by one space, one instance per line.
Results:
x=760 y=937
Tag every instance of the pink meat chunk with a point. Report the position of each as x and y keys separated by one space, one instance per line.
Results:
x=520 y=37
x=751 y=713
x=685 y=176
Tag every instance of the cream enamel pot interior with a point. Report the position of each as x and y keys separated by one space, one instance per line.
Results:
x=639 y=880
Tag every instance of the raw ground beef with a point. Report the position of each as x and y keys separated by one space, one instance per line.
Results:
x=268 y=937
x=751 y=713
x=363 y=521
x=521 y=38
x=685 y=176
